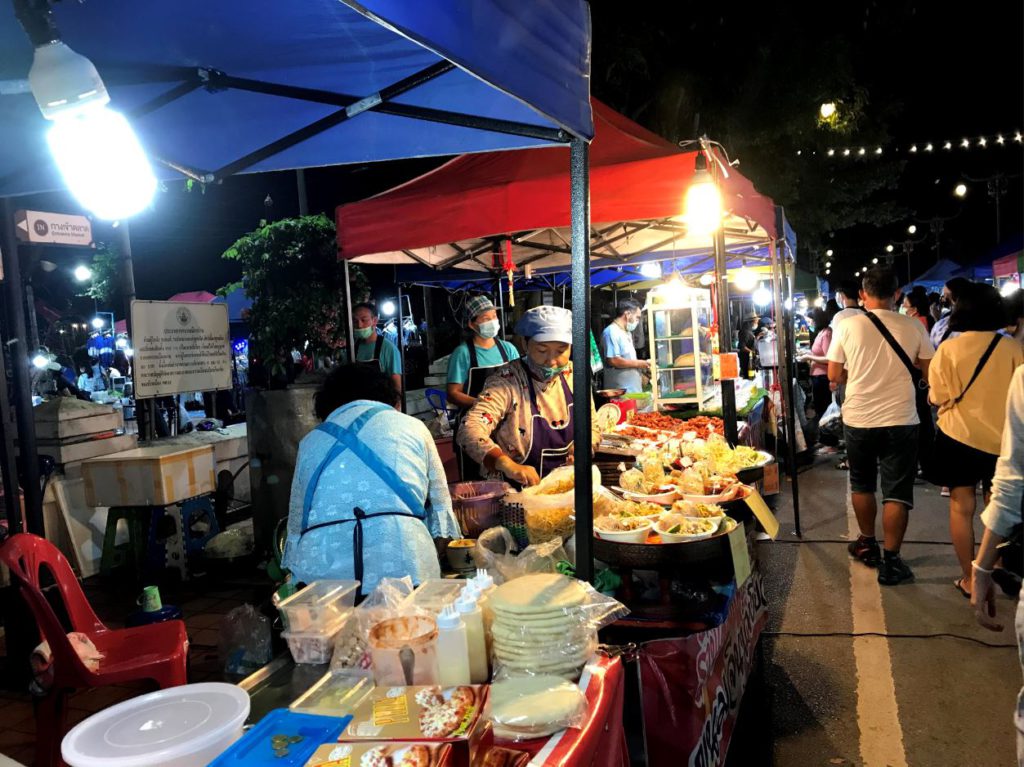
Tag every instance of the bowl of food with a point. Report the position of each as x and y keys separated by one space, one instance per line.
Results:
x=698 y=509
x=675 y=528
x=610 y=393
x=622 y=529
x=664 y=496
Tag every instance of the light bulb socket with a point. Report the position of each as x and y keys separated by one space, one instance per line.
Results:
x=64 y=83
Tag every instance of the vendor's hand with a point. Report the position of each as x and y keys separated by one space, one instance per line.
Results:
x=983 y=599
x=526 y=476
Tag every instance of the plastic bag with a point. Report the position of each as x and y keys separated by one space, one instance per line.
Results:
x=524 y=708
x=494 y=553
x=830 y=426
x=546 y=625
x=245 y=641
x=549 y=507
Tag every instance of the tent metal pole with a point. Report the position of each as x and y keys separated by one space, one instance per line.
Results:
x=128 y=291
x=725 y=338
x=348 y=311
x=501 y=305
x=579 y=168
x=8 y=465
x=401 y=343
x=786 y=327
x=22 y=375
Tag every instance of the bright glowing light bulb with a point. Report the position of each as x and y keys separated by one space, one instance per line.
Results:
x=762 y=296
x=388 y=308
x=102 y=162
x=745 y=279
x=827 y=110
x=97 y=322
x=889 y=248
x=707 y=279
x=912 y=229
x=83 y=273
x=960 y=190
x=40 y=361
x=1009 y=287
x=703 y=207
x=874 y=260
x=828 y=264
x=651 y=270
x=819 y=302
x=829 y=252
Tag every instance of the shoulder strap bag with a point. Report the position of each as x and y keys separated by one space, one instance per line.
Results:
x=981 y=363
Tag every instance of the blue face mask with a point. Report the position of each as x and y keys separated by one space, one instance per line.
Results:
x=631 y=326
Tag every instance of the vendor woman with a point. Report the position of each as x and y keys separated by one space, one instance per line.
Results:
x=369 y=492
x=522 y=424
x=470 y=363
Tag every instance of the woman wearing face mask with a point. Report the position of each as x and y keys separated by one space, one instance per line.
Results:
x=472 y=361
x=623 y=369
x=521 y=425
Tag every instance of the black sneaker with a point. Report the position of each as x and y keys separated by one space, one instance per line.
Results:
x=865 y=550
x=894 y=570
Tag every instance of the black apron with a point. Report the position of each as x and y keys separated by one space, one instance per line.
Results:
x=469 y=470
x=348 y=439
x=376 y=353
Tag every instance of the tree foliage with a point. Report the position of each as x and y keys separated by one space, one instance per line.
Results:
x=106 y=274
x=754 y=80
x=291 y=271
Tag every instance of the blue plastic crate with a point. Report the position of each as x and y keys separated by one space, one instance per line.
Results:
x=255 y=748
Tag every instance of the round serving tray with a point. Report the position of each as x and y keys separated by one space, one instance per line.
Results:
x=706 y=552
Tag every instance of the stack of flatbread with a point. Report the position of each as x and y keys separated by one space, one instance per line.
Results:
x=524 y=708
x=539 y=627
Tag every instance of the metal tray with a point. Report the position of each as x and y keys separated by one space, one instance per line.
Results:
x=710 y=553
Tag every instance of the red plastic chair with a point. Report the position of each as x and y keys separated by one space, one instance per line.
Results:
x=158 y=651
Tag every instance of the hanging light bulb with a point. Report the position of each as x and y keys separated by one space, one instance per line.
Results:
x=829 y=252
x=94 y=147
x=875 y=260
x=912 y=229
x=1009 y=287
x=651 y=270
x=913 y=148
x=762 y=296
x=707 y=279
x=928 y=147
x=745 y=279
x=40 y=361
x=387 y=308
x=83 y=273
x=819 y=302
x=831 y=152
x=889 y=248
x=827 y=110
x=702 y=205
x=960 y=190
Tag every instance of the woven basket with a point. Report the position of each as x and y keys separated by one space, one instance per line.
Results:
x=477 y=505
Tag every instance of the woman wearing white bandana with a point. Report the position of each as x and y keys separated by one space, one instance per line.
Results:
x=521 y=425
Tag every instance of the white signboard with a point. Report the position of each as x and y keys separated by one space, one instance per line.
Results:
x=180 y=347
x=52 y=228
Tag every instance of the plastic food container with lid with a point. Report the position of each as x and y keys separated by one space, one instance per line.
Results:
x=318 y=605
x=186 y=726
x=337 y=693
x=435 y=593
x=316 y=645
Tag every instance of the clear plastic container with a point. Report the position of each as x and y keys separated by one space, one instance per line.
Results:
x=434 y=594
x=337 y=693
x=318 y=605
x=185 y=726
x=404 y=651
x=315 y=646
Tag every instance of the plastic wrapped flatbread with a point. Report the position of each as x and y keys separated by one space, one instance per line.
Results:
x=534 y=707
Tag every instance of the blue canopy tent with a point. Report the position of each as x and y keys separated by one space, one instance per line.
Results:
x=219 y=88
x=942 y=272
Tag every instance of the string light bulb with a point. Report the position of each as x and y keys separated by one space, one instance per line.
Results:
x=1000 y=140
x=948 y=145
x=960 y=190
x=745 y=279
x=982 y=142
x=928 y=147
x=1017 y=137
x=827 y=110
x=913 y=148
x=875 y=260
x=829 y=252
x=707 y=279
x=846 y=153
x=831 y=152
x=862 y=151
x=912 y=229
x=878 y=150
x=761 y=296
x=966 y=144
x=888 y=249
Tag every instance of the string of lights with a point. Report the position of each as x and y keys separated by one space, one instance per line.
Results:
x=917 y=148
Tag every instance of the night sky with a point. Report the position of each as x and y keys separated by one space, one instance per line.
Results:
x=930 y=72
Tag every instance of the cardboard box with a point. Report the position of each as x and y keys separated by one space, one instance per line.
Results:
x=381 y=755
x=90 y=448
x=451 y=715
x=149 y=476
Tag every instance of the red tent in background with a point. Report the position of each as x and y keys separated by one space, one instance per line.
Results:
x=635 y=175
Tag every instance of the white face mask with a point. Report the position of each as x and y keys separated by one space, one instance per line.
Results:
x=631 y=326
x=488 y=329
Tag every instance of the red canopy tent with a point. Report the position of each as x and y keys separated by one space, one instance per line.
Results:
x=637 y=184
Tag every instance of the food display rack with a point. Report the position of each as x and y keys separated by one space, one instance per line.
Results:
x=679 y=328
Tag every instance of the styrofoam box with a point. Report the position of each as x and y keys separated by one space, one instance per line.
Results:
x=149 y=476
x=318 y=605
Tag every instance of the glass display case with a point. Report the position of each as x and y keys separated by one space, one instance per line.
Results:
x=679 y=328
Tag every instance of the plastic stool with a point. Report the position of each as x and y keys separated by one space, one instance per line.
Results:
x=192 y=511
x=174 y=548
x=128 y=554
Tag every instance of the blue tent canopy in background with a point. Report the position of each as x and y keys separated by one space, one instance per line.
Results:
x=211 y=86
x=603 y=272
x=942 y=272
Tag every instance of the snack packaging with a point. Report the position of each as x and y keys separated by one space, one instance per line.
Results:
x=503 y=757
x=549 y=507
x=381 y=755
x=505 y=566
x=425 y=714
x=524 y=708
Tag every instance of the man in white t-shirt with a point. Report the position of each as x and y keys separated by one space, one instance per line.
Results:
x=880 y=418
x=847 y=297
x=622 y=368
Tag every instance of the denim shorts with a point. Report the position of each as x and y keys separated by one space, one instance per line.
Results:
x=889 y=450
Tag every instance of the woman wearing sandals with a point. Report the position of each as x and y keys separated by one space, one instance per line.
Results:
x=970 y=377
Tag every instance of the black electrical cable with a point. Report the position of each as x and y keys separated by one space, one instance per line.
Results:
x=856 y=634
x=848 y=540
x=37 y=21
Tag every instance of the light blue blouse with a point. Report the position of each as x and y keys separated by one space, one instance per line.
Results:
x=393 y=546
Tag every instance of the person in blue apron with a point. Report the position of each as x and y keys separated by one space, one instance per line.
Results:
x=471 y=362
x=369 y=493
x=371 y=346
x=521 y=426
